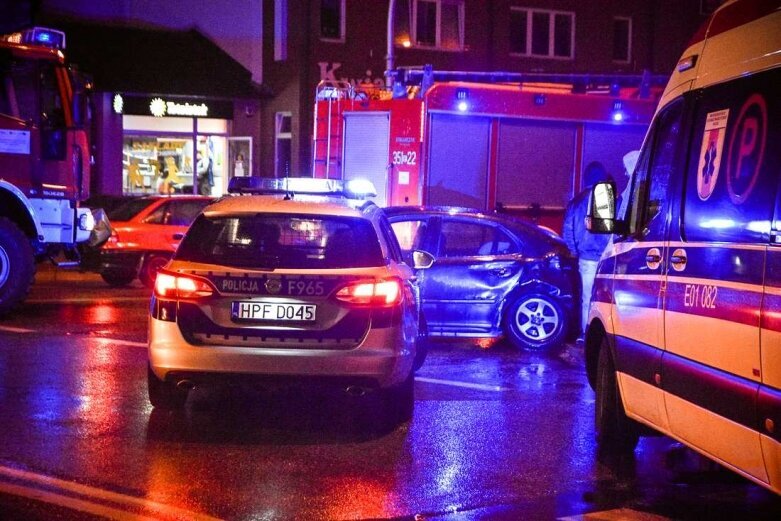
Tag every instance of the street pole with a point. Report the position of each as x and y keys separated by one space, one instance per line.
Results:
x=390 y=62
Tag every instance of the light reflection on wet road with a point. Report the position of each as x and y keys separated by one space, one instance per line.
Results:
x=515 y=442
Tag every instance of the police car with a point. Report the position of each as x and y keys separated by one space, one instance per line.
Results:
x=295 y=282
x=684 y=330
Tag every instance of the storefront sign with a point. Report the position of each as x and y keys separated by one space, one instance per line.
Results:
x=161 y=107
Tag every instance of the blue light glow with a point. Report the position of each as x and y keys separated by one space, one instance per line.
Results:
x=44 y=37
x=463 y=106
x=618 y=116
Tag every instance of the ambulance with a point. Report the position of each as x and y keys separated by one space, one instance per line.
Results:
x=684 y=332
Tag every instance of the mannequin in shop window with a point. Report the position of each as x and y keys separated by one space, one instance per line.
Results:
x=205 y=174
x=164 y=184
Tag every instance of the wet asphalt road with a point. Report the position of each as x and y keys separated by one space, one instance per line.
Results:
x=496 y=434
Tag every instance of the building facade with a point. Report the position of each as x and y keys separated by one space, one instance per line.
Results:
x=306 y=41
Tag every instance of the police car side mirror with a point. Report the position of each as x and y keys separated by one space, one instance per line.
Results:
x=422 y=259
x=601 y=217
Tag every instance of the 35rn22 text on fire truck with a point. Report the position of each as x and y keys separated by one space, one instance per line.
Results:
x=44 y=157
x=486 y=140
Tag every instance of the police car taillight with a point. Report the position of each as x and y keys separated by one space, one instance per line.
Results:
x=181 y=286
x=378 y=293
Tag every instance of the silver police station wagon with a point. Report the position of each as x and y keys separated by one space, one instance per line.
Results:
x=293 y=282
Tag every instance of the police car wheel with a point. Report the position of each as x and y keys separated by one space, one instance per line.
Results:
x=149 y=269
x=535 y=321
x=164 y=395
x=421 y=344
x=398 y=402
x=615 y=431
x=17 y=266
x=118 y=278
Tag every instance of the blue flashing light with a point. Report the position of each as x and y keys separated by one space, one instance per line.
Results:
x=45 y=37
x=354 y=188
x=618 y=117
x=463 y=106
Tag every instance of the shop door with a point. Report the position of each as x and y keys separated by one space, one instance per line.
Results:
x=458 y=161
x=366 y=149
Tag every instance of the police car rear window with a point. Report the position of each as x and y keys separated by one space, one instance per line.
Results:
x=271 y=241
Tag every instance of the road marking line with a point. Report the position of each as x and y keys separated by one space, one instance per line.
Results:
x=467 y=385
x=11 y=329
x=78 y=505
x=619 y=514
x=106 y=495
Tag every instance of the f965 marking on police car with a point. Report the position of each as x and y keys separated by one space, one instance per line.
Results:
x=312 y=288
x=273 y=311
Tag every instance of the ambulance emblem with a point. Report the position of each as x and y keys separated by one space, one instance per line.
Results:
x=711 y=153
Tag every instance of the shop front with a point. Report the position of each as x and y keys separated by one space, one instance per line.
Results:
x=179 y=145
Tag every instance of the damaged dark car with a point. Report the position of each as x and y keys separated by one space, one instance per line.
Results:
x=492 y=275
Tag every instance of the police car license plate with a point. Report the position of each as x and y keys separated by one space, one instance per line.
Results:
x=273 y=311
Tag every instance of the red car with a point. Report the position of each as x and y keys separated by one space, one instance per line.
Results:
x=145 y=233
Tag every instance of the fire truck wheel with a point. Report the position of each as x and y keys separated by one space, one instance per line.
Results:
x=150 y=267
x=535 y=321
x=118 y=278
x=17 y=266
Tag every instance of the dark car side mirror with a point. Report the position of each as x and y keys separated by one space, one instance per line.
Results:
x=601 y=217
x=422 y=260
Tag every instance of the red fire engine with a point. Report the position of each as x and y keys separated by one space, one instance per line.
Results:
x=44 y=157
x=506 y=141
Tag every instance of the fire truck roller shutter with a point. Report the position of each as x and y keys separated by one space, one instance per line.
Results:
x=608 y=144
x=536 y=163
x=458 y=160
x=366 y=150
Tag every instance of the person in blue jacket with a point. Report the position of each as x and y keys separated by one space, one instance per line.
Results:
x=587 y=247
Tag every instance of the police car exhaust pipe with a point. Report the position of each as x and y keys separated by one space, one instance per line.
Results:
x=185 y=385
x=355 y=390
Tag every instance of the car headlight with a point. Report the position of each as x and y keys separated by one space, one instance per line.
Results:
x=87 y=221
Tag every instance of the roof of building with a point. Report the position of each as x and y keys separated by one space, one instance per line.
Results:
x=156 y=61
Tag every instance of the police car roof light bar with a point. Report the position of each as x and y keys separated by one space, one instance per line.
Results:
x=290 y=186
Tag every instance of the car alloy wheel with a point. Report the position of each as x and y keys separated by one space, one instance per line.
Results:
x=535 y=321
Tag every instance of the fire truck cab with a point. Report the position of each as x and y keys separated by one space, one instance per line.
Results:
x=44 y=157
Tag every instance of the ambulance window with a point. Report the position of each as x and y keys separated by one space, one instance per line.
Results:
x=733 y=166
x=652 y=174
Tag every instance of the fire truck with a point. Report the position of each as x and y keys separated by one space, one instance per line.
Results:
x=511 y=142
x=44 y=158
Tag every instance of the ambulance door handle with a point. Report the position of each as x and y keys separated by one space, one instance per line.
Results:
x=678 y=259
x=653 y=258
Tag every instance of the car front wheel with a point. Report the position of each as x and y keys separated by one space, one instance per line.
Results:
x=118 y=278
x=535 y=321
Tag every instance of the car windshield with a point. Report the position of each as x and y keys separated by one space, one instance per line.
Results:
x=270 y=241
x=128 y=210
